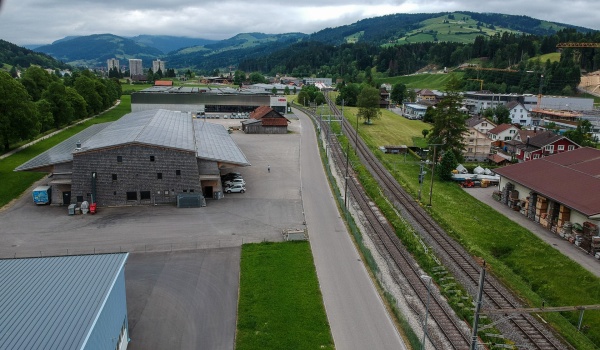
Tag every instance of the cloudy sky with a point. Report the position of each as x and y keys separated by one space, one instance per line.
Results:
x=24 y=22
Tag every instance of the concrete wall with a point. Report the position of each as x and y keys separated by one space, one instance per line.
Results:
x=136 y=173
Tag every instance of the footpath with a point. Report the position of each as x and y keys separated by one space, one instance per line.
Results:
x=10 y=153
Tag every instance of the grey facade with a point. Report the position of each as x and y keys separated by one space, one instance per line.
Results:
x=144 y=175
x=144 y=158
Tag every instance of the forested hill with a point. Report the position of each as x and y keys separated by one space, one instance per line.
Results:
x=12 y=55
x=456 y=26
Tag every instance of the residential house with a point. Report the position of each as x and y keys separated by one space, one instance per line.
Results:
x=384 y=98
x=543 y=144
x=426 y=95
x=477 y=143
x=519 y=114
x=502 y=133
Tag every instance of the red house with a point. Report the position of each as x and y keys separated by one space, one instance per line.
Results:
x=542 y=144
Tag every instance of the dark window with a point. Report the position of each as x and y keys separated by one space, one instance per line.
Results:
x=119 y=159
x=114 y=193
x=184 y=191
x=144 y=195
x=80 y=198
x=151 y=158
x=132 y=196
x=159 y=176
x=192 y=190
x=177 y=172
x=114 y=177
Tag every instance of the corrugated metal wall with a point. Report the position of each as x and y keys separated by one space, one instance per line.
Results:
x=105 y=334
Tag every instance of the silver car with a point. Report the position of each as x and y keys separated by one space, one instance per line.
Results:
x=238 y=188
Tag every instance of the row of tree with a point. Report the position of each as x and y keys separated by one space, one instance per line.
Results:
x=40 y=101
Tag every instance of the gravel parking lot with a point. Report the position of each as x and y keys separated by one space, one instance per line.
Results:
x=180 y=294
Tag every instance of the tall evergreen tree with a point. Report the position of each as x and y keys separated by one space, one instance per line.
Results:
x=449 y=122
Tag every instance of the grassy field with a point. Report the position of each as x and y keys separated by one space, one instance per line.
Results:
x=280 y=304
x=13 y=184
x=535 y=270
x=422 y=81
x=553 y=57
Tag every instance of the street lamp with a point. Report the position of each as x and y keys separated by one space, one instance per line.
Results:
x=426 y=279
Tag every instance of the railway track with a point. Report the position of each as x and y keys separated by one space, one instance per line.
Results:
x=524 y=330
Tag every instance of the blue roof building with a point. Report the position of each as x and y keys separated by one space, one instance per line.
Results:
x=70 y=302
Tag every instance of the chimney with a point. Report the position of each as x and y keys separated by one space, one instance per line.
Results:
x=78 y=145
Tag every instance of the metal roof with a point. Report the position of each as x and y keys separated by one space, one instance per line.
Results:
x=158 y=127
x=53 y=303
x=213 y=142
x=571 y=178
x=63 y=152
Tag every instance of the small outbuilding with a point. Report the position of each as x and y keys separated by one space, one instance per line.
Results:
x=265 y=120
x=68 y=302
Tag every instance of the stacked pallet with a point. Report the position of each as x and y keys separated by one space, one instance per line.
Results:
x=541 y=207
x=590 y=230
x=564 y=215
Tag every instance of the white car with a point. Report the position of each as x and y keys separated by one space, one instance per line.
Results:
x=235 y=189
x=238 y=181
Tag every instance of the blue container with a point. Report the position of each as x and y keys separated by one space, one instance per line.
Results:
x=42 y=195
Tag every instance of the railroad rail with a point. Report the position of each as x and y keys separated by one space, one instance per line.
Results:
x=522 y=329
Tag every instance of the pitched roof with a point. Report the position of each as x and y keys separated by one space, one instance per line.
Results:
x=500 y=128
x=544 y=138
x=158 y=127
x=275 y=122
x=570 y=178
x=475 y=120
x=54 y=302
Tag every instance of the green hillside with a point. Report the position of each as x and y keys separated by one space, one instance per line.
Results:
x=454 y=27
x=422 y=81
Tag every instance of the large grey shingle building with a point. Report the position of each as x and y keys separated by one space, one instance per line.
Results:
x=146 y=157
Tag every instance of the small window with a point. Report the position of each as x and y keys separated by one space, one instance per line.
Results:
x=561 y=147
x=178 y=172
x=184 y=191
x=79 y=199
x=114 y=193
x=132 y=196
x=114 y=177
x=571 y=147
x=192 y=190
x=144 y=195
x=151 y=158
x=166 y=192
x=119 y=159
x=159 y=176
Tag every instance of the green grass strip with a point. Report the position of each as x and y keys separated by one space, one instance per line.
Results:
x=280 y=304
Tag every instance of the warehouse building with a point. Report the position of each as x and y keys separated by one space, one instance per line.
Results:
x=557 y=191
x=205 y=99
x=69 y=302
x=147 y=157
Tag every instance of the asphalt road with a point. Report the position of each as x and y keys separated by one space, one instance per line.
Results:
x=183 y=300
x=355 y=311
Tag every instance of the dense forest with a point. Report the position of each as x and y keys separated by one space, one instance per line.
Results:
x=357 y=62
x=14 y=55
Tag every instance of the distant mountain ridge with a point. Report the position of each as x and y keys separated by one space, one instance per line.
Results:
x=183 y=53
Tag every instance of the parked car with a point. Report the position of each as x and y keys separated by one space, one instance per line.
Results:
x=237 y=181
x=238 y=188
x=231 y=176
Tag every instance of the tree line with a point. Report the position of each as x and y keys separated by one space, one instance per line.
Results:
x=358 y=62
x=39 y=102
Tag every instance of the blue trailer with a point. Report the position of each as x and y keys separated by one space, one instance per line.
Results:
x=42 y=195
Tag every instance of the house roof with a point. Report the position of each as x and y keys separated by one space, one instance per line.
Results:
x=571 y=178
x=54 y=302
x=500 y=128
x=473 y=121
x=275 y=122
x=544 y=138
x=157 y=127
